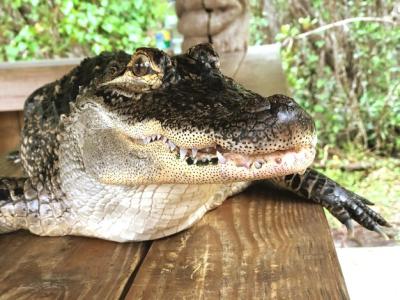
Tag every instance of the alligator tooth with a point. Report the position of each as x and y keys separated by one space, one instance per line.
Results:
x=194 y=152
x=147 y=140
x=257 y=164
x=301 y=172
x=164 y=139
x=221 y=158
x=171 y=145
x=152 y=138
x=245 y=164
x=158 y=136
x=182 y=153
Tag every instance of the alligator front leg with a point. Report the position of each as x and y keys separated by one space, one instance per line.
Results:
x=341 y=203
x=32 y=207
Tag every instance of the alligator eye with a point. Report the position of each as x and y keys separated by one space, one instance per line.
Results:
x=141 y=66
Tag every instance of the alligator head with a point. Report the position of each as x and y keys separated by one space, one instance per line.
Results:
x=180 y=120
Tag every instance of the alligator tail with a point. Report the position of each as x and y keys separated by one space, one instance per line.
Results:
x=340 y=202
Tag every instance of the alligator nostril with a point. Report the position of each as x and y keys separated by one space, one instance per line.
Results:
x=285 y=116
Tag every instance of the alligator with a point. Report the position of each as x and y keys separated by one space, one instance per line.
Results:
x=138 y=147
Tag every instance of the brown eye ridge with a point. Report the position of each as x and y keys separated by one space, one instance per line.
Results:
x=141 y=66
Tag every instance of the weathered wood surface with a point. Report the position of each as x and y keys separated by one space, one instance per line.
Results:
x=259 y=245
x=65 y=268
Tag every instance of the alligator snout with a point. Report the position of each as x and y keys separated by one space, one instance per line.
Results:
x=265 y=125
x=235 y=118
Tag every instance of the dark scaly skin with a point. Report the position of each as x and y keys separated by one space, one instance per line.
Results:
x=190 y=95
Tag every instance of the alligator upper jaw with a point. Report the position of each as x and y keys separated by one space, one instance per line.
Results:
x=277 y=161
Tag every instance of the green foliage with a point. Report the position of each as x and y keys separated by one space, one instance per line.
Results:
x=46 y=29
x=347 y=77
x=257 y=27
x=258 y=24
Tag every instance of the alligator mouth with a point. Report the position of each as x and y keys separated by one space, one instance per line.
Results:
x=216 y=154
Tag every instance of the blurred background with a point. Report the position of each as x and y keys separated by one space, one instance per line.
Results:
x=346 y=73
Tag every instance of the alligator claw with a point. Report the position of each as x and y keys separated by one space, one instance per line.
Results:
x=378 y=230
x=353 y=207
x=350 y=229
x=365 y=201
x=341 y=203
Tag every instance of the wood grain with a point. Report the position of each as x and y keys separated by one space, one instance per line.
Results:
x=33 y=267
x=262 y=244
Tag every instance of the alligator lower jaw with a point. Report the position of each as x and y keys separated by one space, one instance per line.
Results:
x=296 y=158
x=279 y=163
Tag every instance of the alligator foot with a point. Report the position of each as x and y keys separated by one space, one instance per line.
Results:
x=345 y=205
x=30 y=207
x=11 y=195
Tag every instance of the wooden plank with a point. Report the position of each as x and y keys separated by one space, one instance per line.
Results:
x=33 y=267
x=261 y=244
x=9 y=131
x=19 y=79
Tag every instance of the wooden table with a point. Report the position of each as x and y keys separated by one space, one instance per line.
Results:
x=261 y=244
